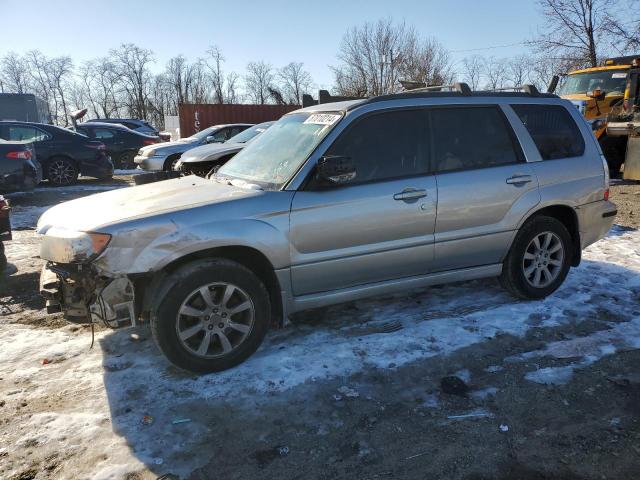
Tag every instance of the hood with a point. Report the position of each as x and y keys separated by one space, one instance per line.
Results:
x=211 y=152
x=181 y=145
x=103 y=209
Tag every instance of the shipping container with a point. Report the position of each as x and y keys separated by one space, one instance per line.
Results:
x=196 y=117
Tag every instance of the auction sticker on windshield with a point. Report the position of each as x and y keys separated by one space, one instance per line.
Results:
x=323 y=118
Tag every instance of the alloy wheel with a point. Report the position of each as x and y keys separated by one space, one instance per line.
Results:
x=215 y=319
x=62 y=172
x=543 y=259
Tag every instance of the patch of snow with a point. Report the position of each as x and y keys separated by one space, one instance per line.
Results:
x=484 y=393
x=26 y=217
x=551 y=375
x=120 y=382
x=132 y=171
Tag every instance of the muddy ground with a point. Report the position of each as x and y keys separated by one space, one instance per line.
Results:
x=353 y=391
x=626 y=194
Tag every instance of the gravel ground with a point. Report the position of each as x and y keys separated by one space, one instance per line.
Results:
x=352 y=391
x=626 y=194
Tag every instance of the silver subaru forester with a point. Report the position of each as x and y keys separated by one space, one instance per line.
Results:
x=334 y=203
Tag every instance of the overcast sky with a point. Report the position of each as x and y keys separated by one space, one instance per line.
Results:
x=276 y=31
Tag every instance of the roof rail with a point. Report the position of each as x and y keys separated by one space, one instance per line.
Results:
x=324 y=97
x=459 y=87
x=526 y=88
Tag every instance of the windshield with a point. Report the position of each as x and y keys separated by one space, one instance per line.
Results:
x=609 y=81
x=249 y=133
x=205 y=133
x=278 y=153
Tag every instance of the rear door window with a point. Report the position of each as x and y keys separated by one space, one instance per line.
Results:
x=103 y=133
x=553 y=130
x=25 y=133
x=386 y=145
x=467 y=138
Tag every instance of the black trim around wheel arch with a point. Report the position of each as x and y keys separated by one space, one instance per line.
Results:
x=612 y=213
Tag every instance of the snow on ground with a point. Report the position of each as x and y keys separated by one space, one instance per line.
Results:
x=121 y=380
x=132 y=171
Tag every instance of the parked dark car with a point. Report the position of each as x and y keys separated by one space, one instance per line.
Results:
x=140 y=126
x=5 y=230
x=62 y=153
x=19 y=169
x=122 y=144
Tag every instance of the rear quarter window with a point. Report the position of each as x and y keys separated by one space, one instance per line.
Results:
x=553 y=130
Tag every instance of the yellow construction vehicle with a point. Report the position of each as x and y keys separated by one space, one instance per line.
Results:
x=624 y=122
x=597 y=92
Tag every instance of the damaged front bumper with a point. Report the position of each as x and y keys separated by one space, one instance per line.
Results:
x=85 y=296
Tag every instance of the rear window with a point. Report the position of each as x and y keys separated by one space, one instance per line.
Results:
x=466 y=138
x=553 y=130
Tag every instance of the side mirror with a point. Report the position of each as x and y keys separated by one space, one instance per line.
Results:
x=336 y=169
x=212 y=139
x=596 y=93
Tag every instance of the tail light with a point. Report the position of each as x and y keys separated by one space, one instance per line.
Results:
x=22 y=155
x=605 y=166
x=150 y=142
x=4 y=207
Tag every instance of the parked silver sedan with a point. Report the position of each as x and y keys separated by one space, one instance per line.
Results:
x=334 y=203
x=163 y=156
x=201 y=160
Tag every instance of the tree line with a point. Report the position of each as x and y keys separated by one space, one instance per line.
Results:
x=122 y=83
x=372 y=60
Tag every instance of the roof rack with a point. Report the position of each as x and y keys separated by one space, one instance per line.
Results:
x=526 y=88
x=415 y=87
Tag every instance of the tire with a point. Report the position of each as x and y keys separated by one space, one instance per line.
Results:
x=202 y=349
x=170 y=163
x=519 y=274
x=125 y=160
x=62 y=171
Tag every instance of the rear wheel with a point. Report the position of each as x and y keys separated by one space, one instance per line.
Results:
x=539 y=259
x=213 y=317
x=62 y=171
x=125 y=160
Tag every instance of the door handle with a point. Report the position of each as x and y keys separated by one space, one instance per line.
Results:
x=519 y=179
x=410 y=194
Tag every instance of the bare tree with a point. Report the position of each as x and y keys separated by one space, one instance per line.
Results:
x=231 y=94
x=295 y=82
x=495 y=72
x=59 y=72
x=371 y=57
x=624 y=28
x=13 y=73
x=214 y=63
x=575 y=29
x=258 y=79
x=375 y=56
x=425 y=61
x=519 y=70
x=473 y=67
x=132 y=66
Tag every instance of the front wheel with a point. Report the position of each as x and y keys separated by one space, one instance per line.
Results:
x=214 y=316
x=539 y=259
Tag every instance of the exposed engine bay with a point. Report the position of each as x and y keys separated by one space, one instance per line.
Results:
x=84 y=296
